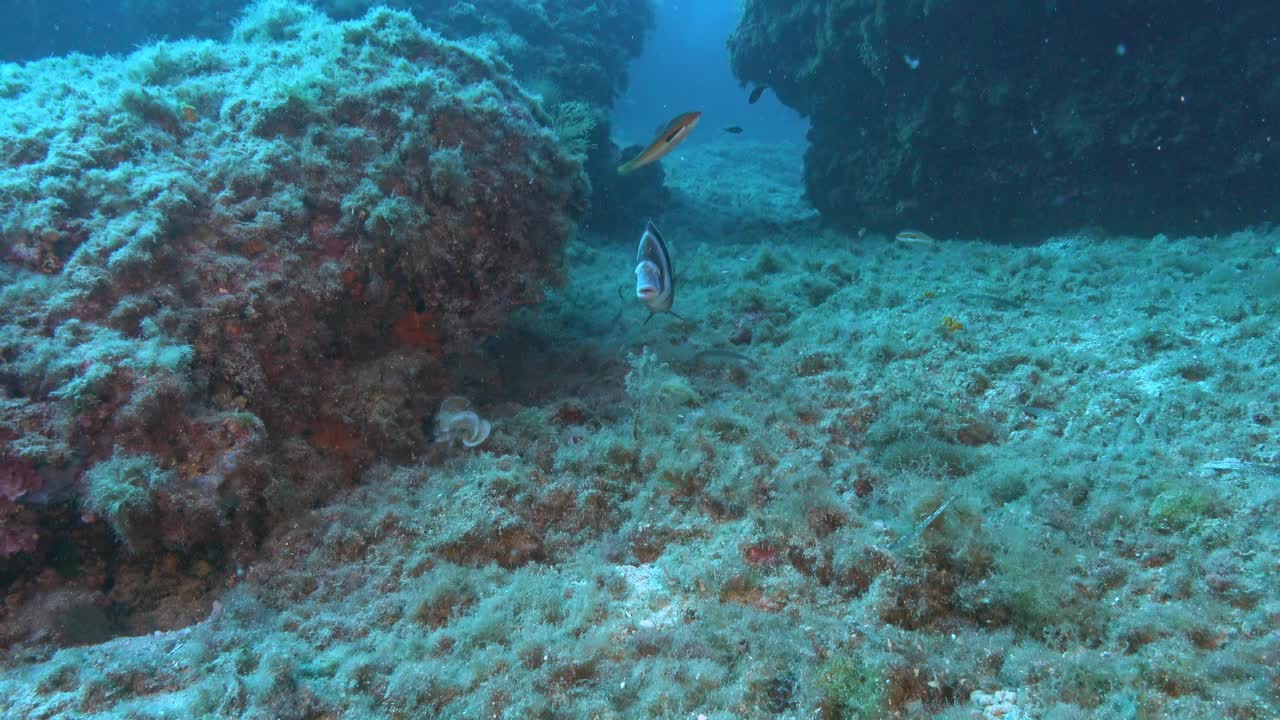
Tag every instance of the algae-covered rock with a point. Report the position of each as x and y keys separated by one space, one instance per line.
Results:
x=248 y=261
x=579 y=47
x=1018 y=120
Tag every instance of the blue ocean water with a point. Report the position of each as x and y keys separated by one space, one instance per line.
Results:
x=685 y=66
x=430 y=361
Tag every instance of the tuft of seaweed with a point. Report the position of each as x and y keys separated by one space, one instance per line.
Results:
x=573 y=122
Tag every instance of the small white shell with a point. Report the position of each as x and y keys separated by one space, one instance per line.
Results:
x=456 y=421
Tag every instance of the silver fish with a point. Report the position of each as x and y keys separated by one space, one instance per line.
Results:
x=655 y=276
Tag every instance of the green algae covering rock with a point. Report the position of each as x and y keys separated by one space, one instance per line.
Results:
x=248 y=261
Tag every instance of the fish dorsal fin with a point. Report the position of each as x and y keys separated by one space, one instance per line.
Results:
x=668 y=267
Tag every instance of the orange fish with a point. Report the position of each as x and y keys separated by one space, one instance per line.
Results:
x=672 y=135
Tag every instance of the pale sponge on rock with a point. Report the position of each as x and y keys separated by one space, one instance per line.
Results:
x=999 y=705
x=455 y=420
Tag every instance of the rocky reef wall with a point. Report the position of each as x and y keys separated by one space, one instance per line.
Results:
x=1016 y=120
x=233 y=275
x=581 y=46
x=572 y=54
x=568 y=49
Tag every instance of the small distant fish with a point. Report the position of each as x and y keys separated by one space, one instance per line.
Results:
x=912 y=62
x=923 y=525
x=672 y=135
x=914 y=237
x=733 y=130
x=755 y=94
x=655 y=275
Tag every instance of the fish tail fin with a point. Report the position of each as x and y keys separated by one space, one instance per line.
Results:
x=626 y=167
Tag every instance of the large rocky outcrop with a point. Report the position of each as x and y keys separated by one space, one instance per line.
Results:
x=580 y=46
x=1017 y=119
x=231 y=274
x=573 y=54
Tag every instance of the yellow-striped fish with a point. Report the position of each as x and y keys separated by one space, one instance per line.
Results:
x=672 y=135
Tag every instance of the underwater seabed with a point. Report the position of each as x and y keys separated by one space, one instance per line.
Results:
x=859 y=479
